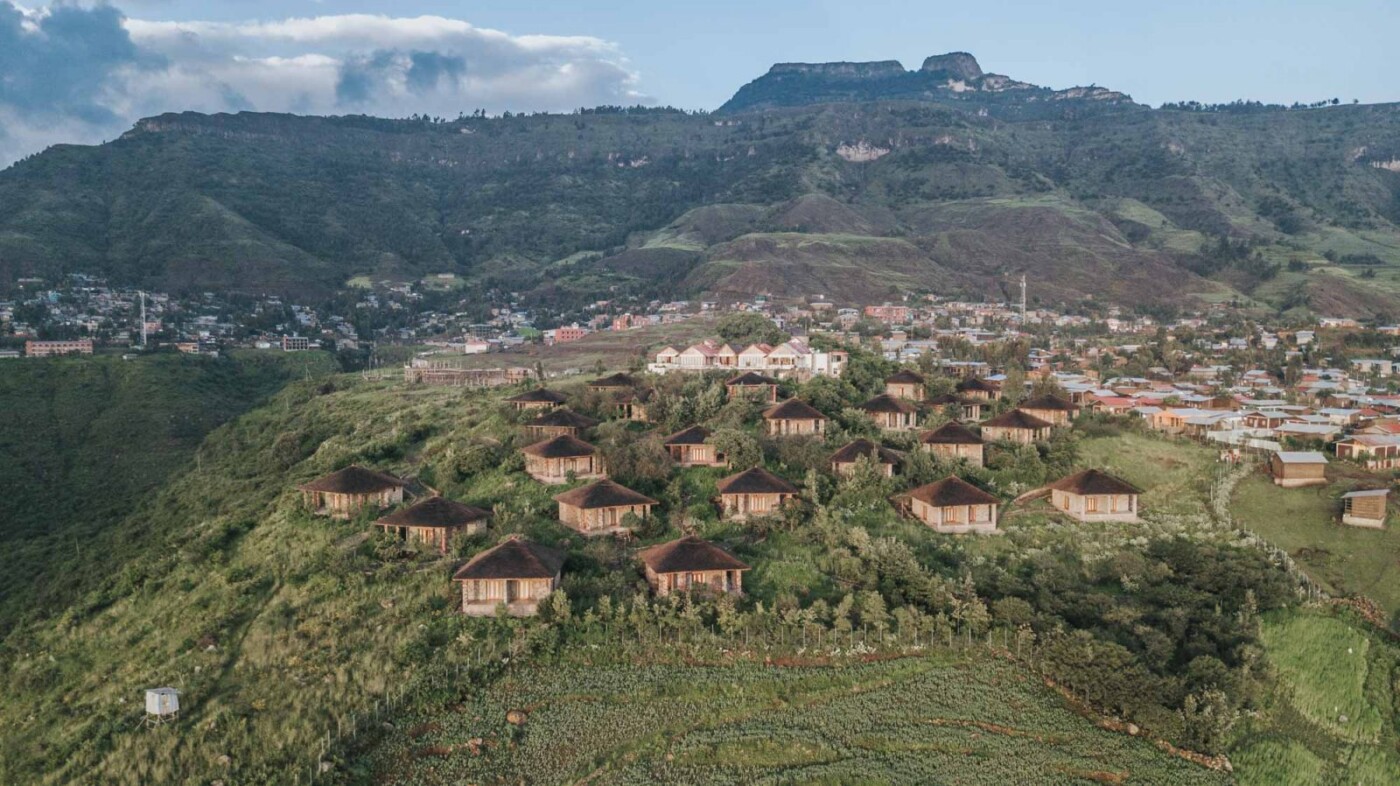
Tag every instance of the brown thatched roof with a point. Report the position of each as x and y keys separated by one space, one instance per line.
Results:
x=353 y=479
x=563 y=418
x=1016 y=419
x=1094 y=481
x=950 y=433
x=538 y=395
x=1048 y=403
x=562 y=446
x=435 y=512
x=904 y=377
x=755 y=481
x=618 y=380
x=695 y=435
x=689 y=554
x=602 y=494
x=952 y=491
x=516 y=558
x=864 y=447
x=978 y=384
x=887 y=403
x=752 y=379
x=792 y=409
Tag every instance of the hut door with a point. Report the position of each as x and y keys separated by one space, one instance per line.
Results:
x=512 y=590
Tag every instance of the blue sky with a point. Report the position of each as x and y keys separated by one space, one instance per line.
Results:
x=79 y=72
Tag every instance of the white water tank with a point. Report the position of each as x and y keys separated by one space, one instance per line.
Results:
x=162 y=702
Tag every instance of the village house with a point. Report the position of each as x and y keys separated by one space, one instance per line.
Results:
x=1051 y=409
x=435 y=521
x=955 y=507
x=1365 y=508
x=966 y=408
x=559 y=422
x=753 y=385
x=613 y=383
x=891 y=413
x=691 y=448
x=905 y=384
x=344 y=493
x=753 y=492
x=953 y=441
x=1373 y=451
x=843 y=461
x=793 y=417
x=689 y=564
x=978 y=388
x=555 y=459
x=601 y=506
x=1016 y=426
x=1292 y=469
x=632 y=404
x=539 y=398
x=790 y=359
x=1095 y=495
x=516 y=573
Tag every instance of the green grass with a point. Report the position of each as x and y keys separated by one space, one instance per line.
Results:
x=1325 y=663
x=1272 y=762
x=912 y=720
x=1174 y=475
x=1304 y=522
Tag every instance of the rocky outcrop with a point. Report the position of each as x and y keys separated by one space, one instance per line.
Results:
x=842 y=70
x=954 y=65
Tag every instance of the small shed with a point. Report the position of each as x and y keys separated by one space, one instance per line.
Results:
x=344 y=493
x=753 y=492
x=1016 y=426
x=793 y=417
x=689 y=564
x=891 y=413
x=691 y=448
x=1296 y=468
x=954 y=506
x=1365 y=508
x=753 y=385
x=517 y=573
x=553 y=460
x=843 y=461
x=953 y=441
x=539 y=398
x=905 y=384
x=559 y=422
x=435 y=521
x=600 y=507
x=162 y=705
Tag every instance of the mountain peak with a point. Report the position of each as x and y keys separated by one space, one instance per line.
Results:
x=956 y=65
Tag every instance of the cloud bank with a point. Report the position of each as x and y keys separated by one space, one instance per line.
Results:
x=71 y=73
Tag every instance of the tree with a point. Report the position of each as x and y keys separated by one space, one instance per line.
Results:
x=749 y=328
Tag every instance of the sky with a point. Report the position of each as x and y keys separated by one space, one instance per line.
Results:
x=82 y=72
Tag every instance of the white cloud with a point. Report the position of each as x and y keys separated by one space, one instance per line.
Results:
x=334 y=64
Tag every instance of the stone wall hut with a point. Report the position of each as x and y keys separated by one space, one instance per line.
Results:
x=517 y=573
x=689 y=564
x=978 y=388
x=954 y=506
x=1095 y=495
x=552 y=460
x=753 y=385
x=539 y=398
x=559 y=422
x=953 y=441
x=1292 y=469
x=599 y=507
x=891 y=413
x=968 y=408
x=1051 y=409
x=613 y=383
x=753 y=492
x=905 y=384
x=1365 y=508
x=344 y=493
x=793 y=417
x=843 y=461
x=633 y=404
x=1016 y=426
x=435 y=521
x=691 y=448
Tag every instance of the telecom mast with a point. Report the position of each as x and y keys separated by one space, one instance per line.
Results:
x=1023 y=298
x=143 y=317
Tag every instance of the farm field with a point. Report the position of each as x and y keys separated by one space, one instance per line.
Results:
x=909 y=720
x=1332 y=717
x=1304 y=522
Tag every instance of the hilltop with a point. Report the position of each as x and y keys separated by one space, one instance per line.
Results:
x=857 y=181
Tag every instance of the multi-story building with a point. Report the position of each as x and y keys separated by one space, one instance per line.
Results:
x=43 y=349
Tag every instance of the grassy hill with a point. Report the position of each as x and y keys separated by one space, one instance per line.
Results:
x=852 y=196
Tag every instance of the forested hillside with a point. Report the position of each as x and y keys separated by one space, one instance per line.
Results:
x=857 y=193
